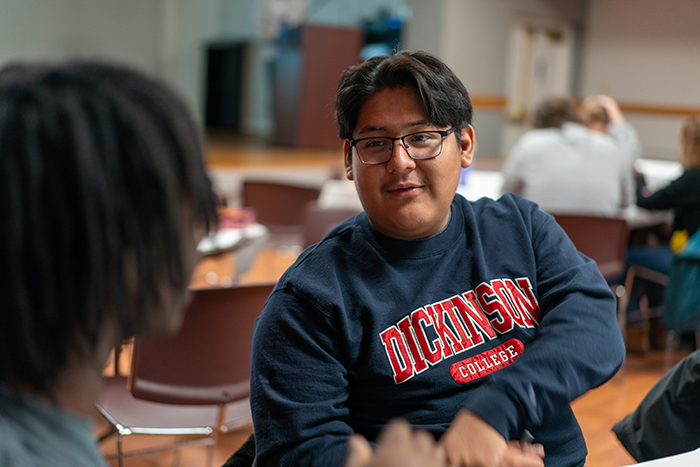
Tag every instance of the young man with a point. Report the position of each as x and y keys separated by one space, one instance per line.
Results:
x=476 y=321
x=104 y=198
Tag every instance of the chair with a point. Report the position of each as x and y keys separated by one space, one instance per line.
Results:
x=605 y=241
x=317 y=221
x=278 y=206
x=193 y=383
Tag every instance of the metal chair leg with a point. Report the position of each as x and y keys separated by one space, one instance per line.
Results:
x=120 y=454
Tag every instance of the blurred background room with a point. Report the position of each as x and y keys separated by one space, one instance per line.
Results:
x=260 y=77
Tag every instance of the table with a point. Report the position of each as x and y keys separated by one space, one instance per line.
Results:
x=658 y=173
x=481 y=183
x=688 y=459
x=488 y=183
x=228 y=254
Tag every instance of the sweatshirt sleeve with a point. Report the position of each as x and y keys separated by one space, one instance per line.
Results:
x=299 y=385
x=671 y=196
x=577 y=346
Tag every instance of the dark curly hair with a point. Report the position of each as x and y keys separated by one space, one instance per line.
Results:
x=96 y=161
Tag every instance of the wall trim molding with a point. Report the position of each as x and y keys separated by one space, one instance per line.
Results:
x=495 y=102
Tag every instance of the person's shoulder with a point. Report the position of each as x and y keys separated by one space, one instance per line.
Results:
x=510 y=216
x=537 y=135
x=536 y=143
x=22 y=418
x=503 y=208
x=603 y=140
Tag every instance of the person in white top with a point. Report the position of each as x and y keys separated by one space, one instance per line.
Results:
x=602 y=113
x=568 y=168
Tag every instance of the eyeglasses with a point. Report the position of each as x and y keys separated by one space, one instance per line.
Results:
x=419 y=146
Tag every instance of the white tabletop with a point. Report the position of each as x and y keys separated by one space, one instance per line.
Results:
x=486 y=183
x=688 y=459
x=658 y=173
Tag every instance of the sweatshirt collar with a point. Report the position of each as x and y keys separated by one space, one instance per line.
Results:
x=421 y=248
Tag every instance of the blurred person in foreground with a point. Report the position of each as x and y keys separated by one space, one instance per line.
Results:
x=477 y=322
x=567 y=168
x=104 y=198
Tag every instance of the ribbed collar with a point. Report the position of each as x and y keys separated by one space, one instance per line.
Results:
x=415 y=249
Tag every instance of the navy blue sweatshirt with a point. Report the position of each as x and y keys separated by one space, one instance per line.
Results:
x=498 y=314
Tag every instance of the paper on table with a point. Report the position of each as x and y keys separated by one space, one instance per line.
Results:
x=688 y=459
x=222 y=240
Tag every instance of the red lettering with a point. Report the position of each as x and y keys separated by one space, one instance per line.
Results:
x=449 y=340
x=401 y=363
x=431 y=353
x=522 y=319
x=471 y=315
x=525 y=298
x=465 y=340
x=501 y=322
x=419 y=362
x=469 y=369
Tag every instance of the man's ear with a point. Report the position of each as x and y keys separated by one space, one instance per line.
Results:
x=347 y=159
x=468 y=145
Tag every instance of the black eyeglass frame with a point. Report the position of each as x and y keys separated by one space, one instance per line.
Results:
x=443 y=133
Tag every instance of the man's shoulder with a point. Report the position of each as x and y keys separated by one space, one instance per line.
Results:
x=507 y=209
x=489 y=206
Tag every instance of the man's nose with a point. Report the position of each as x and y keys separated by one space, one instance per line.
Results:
x=400 y=160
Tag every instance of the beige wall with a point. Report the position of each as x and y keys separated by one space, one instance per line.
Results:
x=640 y=51
x=645 y=52
x=473 y=37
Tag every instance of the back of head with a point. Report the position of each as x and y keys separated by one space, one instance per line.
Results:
x=690 y=143
x=445 y=99
x=96 y=163
x=593 y=113
x=553 y=112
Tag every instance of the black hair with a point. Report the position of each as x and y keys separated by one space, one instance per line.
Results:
x=444 y=98
x=554 y=111
x=96 y=163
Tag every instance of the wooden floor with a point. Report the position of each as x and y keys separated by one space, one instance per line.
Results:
x=596 y=411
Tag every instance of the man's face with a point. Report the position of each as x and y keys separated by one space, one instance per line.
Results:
x=403 y=198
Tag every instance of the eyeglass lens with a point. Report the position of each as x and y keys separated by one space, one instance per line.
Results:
x=423 y=145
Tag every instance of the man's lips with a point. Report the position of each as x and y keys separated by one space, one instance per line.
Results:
x=403 y=188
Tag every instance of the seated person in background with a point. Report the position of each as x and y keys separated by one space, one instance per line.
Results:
x=683 y=197
x=474 y=321
x=602 y=113
x=567 y=168
x=104 y=198
x=683 y=194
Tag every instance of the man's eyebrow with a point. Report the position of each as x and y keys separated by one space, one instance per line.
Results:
x=369 y=129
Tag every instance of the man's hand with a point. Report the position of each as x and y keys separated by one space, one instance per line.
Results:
x=398 y=446
x=471 y=442
x=611 y=107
